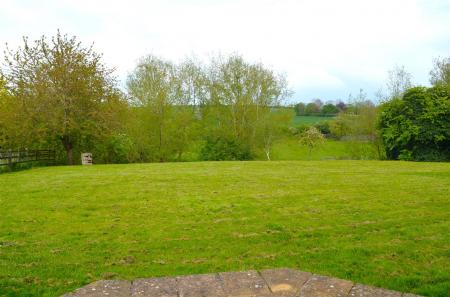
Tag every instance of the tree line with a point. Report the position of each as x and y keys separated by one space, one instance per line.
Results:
x=56 y=93
x=317 y=107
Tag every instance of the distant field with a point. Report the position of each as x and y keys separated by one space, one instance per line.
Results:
x=290 y=149
x=379 y=223
x=309 y=120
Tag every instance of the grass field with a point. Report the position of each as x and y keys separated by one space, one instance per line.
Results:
x=289 y=148
x=379 y=223
x=309 y=120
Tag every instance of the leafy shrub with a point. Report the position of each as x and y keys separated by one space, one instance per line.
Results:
x=302 y=128
x=299 y=108
x=323 y=127
x=361 y=150
x=329 y=109
x=115 y=149
x=312 y=108
x=221 y=149
x=417 y=125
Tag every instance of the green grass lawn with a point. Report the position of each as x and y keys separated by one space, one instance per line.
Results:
x=379 y=223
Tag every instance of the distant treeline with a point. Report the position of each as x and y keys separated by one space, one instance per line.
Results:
x=317 y=107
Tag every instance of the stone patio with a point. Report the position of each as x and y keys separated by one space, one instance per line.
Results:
x=274 y=282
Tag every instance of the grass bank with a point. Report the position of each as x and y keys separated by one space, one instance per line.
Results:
x=379 y=223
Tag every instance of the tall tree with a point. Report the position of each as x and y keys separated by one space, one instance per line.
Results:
x=242 y=95
x=3 y=111
x=167 y=98
x=330 y=109
x=62 y=93
x=440 y=74
x=399 y=80
x=190 y=99
x=300 y=108
x=152 y=87
x=311 y=109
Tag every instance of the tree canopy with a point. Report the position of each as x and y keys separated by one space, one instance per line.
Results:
x=416 y=126
x=56 y=93
x=62 y=94
x=440 y=74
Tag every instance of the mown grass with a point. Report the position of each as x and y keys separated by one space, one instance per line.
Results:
x=379 y=223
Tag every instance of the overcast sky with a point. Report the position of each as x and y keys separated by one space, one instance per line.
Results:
x=326 y=48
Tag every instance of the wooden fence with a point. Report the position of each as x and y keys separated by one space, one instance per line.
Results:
x=12 y=157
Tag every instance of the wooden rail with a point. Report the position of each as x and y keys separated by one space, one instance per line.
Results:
x=11 y=157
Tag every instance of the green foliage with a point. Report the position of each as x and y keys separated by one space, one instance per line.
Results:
x=227 y=102
x=62 y=96
x=302 y=129
x=363 y=150
x=399 y=80
x=270 y=128
x=3 y=110
x=116 y=149
x=341 y=125
x=323 y=127
x=357 y=126
x=309 y=120
x=300 y=108
x=288 y=149
x=222 y=149
x=312 y=108
x=311 y=138
x=440 y=74
x=58 y=94
x=165 y=120
x=330 y=109
x=239 y=104
x=417 y=126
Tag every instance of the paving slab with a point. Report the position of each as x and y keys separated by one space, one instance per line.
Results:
x=203 y=285
x=282 y=282
x=110 y=288
x=322 y=286
x=368 y=291
x=154 y=287
x=285 y=280
x=245 y=283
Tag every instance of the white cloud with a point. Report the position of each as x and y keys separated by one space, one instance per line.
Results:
x=320 y=45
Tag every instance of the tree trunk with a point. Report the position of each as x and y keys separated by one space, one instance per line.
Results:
x=69 y=148
x=268 y=154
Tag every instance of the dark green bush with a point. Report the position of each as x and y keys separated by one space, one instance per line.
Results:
x=329 y=109
x=417 y=125
x=302 y=128
x=114 y=149
x=323 y=127
x=221 y=149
